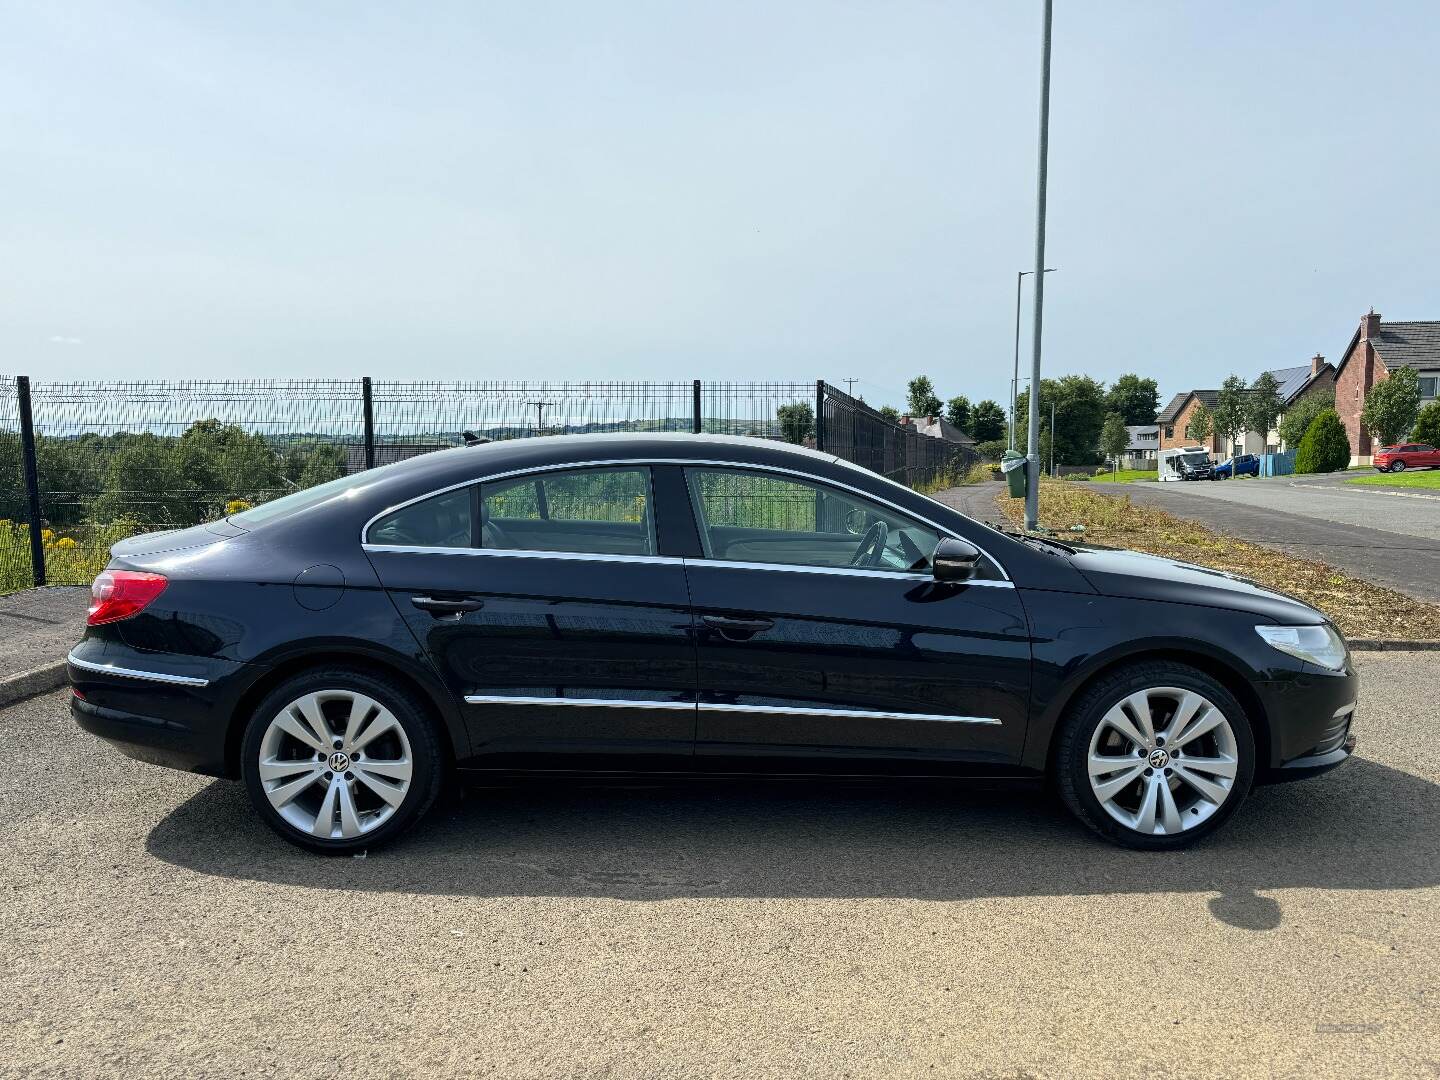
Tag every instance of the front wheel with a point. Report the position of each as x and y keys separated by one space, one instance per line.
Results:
x=1398 y=466
x=337 y=761
x=1155 y=756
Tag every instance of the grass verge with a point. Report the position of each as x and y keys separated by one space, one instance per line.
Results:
x=1124 y=476
x=1358 y=608
x=1422 y=481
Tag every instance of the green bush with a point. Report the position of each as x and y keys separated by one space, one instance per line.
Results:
x=1427 y=425
x=1325 y=447
x=991 y=450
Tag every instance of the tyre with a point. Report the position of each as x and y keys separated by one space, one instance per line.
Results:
x=1155 y=756
x=338 y=761
x=1398 y=466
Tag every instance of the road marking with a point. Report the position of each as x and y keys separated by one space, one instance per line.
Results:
x=1369 y=491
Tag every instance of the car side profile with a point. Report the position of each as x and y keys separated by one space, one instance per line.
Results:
x=1406 y=456
x=1240 y=465
x=663 y=607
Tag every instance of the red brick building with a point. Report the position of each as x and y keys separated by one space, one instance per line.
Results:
x=1176 y=417
x=1374 y=352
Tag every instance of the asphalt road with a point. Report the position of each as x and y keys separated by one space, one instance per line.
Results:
x=1392 y=540
x=151 y=926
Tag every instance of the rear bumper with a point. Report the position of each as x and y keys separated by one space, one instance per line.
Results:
x=160 y=708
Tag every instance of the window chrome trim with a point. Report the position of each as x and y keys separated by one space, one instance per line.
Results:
x=646 y=462
x=582 y=703
x=521 y=553
x=842 y=571
x=135 y=673
x=703 y=706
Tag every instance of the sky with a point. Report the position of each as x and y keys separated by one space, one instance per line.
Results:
x=739 y=190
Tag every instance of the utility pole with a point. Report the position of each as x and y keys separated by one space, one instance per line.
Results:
x=1015 y=381
x=539 y=407
x=850 y=386
x=1052 y=438
x=1032 y=464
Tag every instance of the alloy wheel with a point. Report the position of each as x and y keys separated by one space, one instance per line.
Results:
x=335 y=764
x=1163 y=760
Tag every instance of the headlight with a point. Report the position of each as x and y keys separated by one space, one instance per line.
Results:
x=1321 y=645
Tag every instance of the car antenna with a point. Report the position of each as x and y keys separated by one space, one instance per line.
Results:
x=471 y=439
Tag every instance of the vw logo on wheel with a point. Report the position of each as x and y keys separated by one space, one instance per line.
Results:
x=339 y=761
x=1159 y=758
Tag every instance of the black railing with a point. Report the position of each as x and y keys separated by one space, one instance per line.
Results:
x=83 y=465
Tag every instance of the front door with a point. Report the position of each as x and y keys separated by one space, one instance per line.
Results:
x=826 y=645
x=545 y=607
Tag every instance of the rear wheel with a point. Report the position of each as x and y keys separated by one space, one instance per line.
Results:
x=337 y=761
x=1155 y=756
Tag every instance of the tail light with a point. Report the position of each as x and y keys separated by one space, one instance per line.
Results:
x=119 y=594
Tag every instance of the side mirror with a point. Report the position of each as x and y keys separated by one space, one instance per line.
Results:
x=954 y=560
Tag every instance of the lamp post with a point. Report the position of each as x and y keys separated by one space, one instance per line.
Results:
x=1032 y=464
x=1015 y=381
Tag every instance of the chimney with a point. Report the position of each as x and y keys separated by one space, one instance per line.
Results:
x=1369 y=325
x=1316 y=363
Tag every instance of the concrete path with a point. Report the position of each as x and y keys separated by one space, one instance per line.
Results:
x=1392 y=541
x=37 y=628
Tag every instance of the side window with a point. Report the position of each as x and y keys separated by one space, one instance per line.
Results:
x=439 y=521
x=587 y=511
x=764 y=518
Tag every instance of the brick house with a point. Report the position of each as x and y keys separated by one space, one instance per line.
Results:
x=1316 y=377
x=1176 y=417
x=1372 y=354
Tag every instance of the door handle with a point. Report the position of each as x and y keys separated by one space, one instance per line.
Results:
x=440 y=607
x=735 y=629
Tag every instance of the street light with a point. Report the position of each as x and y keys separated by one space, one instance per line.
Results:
x=1015 y=381
x=1032 y=454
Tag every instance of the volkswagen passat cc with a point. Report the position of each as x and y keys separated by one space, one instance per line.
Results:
x=666 y=606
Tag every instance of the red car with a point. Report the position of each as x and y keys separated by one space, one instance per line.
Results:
x=1407 y=456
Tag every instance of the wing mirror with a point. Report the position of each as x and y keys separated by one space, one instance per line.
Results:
x=955 y=560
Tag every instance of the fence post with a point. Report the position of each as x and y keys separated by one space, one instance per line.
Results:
x=819 y=414
x=369 y=422
x=695 y=426
x=32 y=479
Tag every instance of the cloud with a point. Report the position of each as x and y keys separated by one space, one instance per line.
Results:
x=58 y=340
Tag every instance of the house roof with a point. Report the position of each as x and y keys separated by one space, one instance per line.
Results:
x=1173 y=409
x=1402 y=344
x=1143 y=436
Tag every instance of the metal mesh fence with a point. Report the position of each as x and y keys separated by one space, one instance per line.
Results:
x=117 y=458
x=15 y=569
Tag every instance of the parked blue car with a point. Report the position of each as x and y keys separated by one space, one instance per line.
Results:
x=1245 y=464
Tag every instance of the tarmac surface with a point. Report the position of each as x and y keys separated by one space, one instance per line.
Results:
x=152 y=926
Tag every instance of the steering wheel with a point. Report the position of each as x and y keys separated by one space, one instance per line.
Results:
x=871 y=545
x=492 y=536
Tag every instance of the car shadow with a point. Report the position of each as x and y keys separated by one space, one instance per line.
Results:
x=1366 y=826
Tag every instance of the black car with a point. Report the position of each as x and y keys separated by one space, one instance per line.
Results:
x=623 y=607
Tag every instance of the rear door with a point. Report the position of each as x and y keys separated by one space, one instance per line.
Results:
x=825 y=645
x=544 y=604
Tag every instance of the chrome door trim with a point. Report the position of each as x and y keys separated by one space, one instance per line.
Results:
x=136 y=673
x=773 y=710
x=646 y=462
x=582 y=703
x=863 y=714
x=520 y=553
x=843 y=571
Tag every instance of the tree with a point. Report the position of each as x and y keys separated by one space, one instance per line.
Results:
x=1137 y=400
x=921 y=398
x=1230 y=412
x=1392 y=406
x=991 y=449
x=987 y=422
x=889 y=412
x=1263 y=405
x=1427 y=425
x=1325 y=447
x=1301 y=415
x=1079 y=415
x=1201 y=425
x=797 y=420
x=957 y=412
x=1114 y=438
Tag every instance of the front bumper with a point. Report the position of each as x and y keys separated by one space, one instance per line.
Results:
x=1312 y=716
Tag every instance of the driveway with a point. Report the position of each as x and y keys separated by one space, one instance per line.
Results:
x=1392 y=540
x=149 y=926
